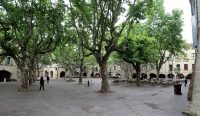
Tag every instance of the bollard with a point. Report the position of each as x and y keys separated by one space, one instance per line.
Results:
x=4 y=80
x=88 y=83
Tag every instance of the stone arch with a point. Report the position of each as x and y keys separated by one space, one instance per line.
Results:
x=51 y=74
x=4 y=75
x=162 y=76
x=170 y=75
x=92 y=74
x=62 y=74
x=46 y=73
x=143 y=76
x=152 y=75
x=134 y=75
x=97 y=75
x=180 y=75
x=85 y=74
x=189 y=76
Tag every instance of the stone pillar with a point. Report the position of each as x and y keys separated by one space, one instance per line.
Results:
x=195 y=105
x=194 y=91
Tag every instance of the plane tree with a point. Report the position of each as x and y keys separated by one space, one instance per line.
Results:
x=71 y=56
x=30 y=29
x=136 y=48
x=166 y=28
x=99 y=26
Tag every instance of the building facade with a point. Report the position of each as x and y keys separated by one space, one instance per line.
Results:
x=175 y=65
x=9 y=70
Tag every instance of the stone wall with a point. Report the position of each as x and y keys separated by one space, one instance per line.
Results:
x=195 y=106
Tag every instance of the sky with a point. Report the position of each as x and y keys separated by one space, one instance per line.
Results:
x=185 y=6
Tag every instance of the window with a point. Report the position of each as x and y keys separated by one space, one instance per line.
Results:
x=114 y=67
x=193 y=56
x=185 y=66
x=8 y=60
x=178 y=66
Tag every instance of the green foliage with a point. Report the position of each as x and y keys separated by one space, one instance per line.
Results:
x=30 y=28
x=166 y=29
x=177 y=70
x=138 y=47
x=97 y=22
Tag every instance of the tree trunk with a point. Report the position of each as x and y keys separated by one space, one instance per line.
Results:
x=30 y=77
x=105 y=87
x=24 y=80
x=138 y=77
x=34 y=75
x=80 y=76
x=157 y=73
x=81 y=73
x=30 y=80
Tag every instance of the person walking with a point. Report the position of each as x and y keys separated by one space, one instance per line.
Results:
x=41 y=83
x=48 y=79
x=185 y=81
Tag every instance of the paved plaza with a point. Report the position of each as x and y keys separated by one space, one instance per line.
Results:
x=62 y=98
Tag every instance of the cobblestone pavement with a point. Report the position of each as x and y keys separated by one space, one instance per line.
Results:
x=62 y=98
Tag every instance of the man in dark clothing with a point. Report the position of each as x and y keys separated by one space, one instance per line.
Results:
x=47 y=79
x=41 y=83
x=185 y=81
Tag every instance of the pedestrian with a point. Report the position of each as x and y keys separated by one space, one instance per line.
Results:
x=41 y=83
x=185 y=81
x=48 y=79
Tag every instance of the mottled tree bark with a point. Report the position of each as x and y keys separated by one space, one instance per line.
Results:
x=138 y=76
x=24 y=80
x=81 y=73
x=105 y=87
x=157 y=73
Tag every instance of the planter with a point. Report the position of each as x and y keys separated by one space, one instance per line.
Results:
x=177 y=89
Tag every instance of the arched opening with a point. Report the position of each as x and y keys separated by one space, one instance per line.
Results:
x=143 y=76
x=85 y=74
x=189 y=76
x=180 y=76
x=46 y=73
x=97 y=75
x=152 y=75
x=134 y=75
x=162 y=76
x=170 y=76
x=62 y=74
x=92 y=74
x=51 y=74
x=4 y=75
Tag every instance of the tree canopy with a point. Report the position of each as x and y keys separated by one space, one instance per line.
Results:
x=28 y=29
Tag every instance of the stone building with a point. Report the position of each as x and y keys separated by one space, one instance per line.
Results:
x=185 y=66
x=8 y=70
